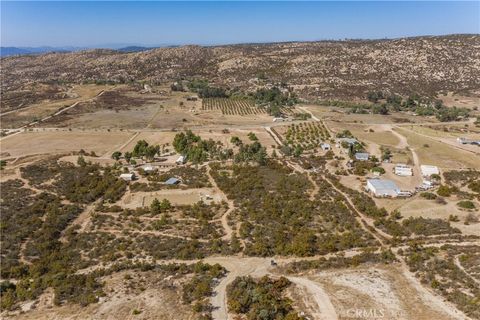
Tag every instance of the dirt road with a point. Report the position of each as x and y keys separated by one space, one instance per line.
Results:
x=324 y=309
x=258 y=267
x=231 y=206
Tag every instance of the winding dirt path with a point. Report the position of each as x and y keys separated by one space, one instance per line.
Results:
x=325 y=310
x=459 y=266
x=258 y=267
x=231 y=206
x=108 y=154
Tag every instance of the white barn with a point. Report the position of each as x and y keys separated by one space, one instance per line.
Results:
x=383 y=188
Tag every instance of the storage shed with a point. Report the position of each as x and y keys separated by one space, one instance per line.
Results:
x=127 y=176
x=325 y=146
x=181 y=160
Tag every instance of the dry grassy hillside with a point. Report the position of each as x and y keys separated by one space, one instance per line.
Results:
x=340 y=69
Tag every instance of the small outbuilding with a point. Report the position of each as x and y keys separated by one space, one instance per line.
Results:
x=181 y=160
x=127 y=176
x=383 y=188
x=172 y=181
x=325 y=146
x=148 y=168
x=362 y=156
x=427 y=170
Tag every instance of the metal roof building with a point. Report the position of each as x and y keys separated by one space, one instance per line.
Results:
x=362 y=156
x=172 y=181
x=383 y=188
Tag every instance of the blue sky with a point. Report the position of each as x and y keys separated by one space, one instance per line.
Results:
x=88 y=23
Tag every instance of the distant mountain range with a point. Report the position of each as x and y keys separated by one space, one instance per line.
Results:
x=13 y=51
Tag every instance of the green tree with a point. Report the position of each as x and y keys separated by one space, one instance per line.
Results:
x=252 y=136
x=236 y=141
x=155 y=207
x=128 y=156
x=116 y=155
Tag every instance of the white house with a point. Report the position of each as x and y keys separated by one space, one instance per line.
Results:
x=403 y=170
x=427 y=170
x=181 y=160
x=325 y=146
x=383 y=188
x=127 y=176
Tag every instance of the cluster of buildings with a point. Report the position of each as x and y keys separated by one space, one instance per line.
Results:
x=131 y=176
x=388 y=188
x=150 y=167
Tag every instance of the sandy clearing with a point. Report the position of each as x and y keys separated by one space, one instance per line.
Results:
x=175 y=196
x=32 y=143
x=374 y=284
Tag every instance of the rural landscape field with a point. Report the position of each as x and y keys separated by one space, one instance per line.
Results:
x=285 y=181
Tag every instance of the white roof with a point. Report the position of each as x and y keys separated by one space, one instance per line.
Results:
x=362 y=156
x=126 y=175
x=428 y=170
x=380 y=184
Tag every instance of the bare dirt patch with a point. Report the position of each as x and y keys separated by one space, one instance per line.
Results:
x=175 y=196
x=380 y=289
x=51 y=142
